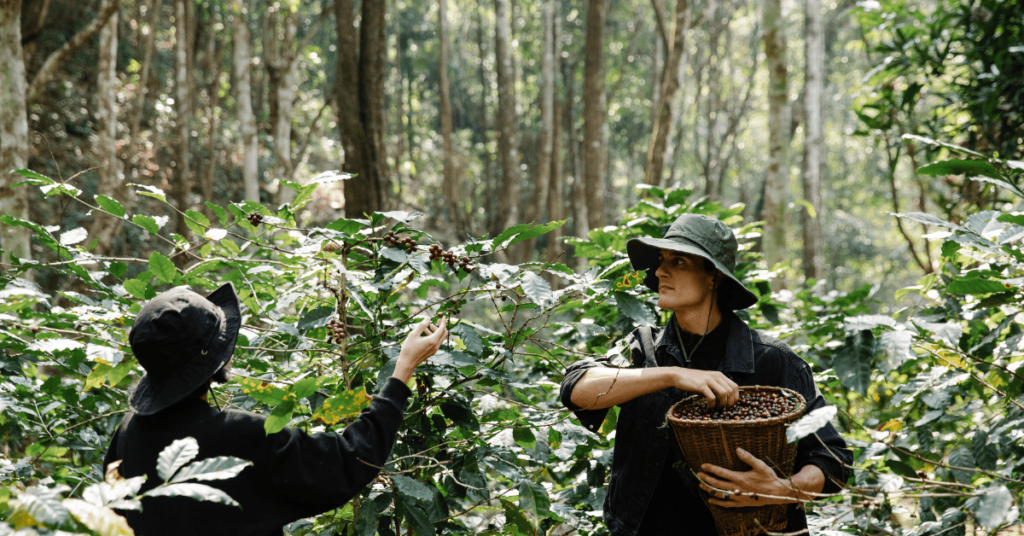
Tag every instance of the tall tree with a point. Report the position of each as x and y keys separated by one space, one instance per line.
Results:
x=135 y=121
x=594 y=115
x=813 y=163
x=359 y=93
x=104 y=228
x=182 y=185
x=451 y=179
x=665 y=108
x=773 y=210
x=281 y=71
x=508 y=141
x=243 y=101
x=542 y=183
x=13 y=131
x=556 y=192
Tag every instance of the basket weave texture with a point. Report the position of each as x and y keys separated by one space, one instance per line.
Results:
x=715 y=442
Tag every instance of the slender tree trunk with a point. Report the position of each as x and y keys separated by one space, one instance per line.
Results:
x=347 y=98
x=44 y=73
x=594 y=115
x=243 y=102
x=285 y=97
x=104 y=227
x=14 y=240
x=508 y=141
x=777 y=180
x=667 y=107
x=556 y=194
x=372 y=53
x=183 y=107
x=153 y=11
x=656 y=62
x=814 y=52
x=450 y=185
x=574 y=153
x=491 y=221
x=547 y=122
x=213 y=56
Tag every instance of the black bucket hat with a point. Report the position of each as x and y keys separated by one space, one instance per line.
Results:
x=182 y=339
x=703 y=236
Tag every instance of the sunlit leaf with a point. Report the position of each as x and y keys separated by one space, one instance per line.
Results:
x=810 y=423
x=219 y=468
x=342 y=406
x=175 y=455
x=100 y=519
x=199 y=492
x=162 y=267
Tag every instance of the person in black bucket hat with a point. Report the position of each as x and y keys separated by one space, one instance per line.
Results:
x=185 y=341
x=706 y=349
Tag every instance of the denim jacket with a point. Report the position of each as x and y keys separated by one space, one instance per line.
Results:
x=751 y=358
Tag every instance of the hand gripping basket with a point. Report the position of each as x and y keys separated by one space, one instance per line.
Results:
x=715 y=442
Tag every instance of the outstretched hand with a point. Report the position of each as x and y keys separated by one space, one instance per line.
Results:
x=423 y=341
x=759 y=486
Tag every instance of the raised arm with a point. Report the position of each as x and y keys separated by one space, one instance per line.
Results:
x=604 y=387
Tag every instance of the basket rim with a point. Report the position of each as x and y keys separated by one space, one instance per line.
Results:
x=793 y=415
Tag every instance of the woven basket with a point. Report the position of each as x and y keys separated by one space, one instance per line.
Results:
x=716 y=442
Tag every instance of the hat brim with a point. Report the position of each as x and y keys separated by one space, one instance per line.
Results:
x=151 y=396
x=643 y=255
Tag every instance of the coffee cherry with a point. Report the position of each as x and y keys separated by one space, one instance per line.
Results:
x=751 y=407
x=255 y=219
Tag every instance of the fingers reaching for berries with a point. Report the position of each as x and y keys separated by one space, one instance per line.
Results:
x=423 y=341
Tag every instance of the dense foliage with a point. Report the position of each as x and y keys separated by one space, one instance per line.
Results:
x=928 y=397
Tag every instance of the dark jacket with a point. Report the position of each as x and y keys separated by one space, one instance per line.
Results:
x=642 y=443
x=294 y=474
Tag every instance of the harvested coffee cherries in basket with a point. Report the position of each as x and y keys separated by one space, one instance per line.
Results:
x=753 y=406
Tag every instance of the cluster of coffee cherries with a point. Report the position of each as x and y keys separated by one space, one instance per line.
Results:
x=456 y=263
x=752 y=406
x=336 y=328
x=255 y=219
x=393 y=240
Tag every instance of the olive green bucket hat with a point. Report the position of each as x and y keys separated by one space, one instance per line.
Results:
x=703 y=236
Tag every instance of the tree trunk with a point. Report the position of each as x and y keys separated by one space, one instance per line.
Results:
x=556 y=194
x=44 y=73
x=577 y=194
x=491 y=222
x=773 y=211
x=594 y=115
x=285 y=98
x=183 y=108
x=213 y=56
x=13 y=132
x=508 y=142
x=153 y=11
x=450 y=185
x=547 y=103
x=243 y=101
x=372 y=49
x=109 y=183
x=666 y=106
x=347 y=100
x=814 y=52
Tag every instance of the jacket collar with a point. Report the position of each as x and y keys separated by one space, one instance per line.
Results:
x=739 y=345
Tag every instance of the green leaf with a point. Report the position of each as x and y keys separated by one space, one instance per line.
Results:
x=222 y=215
x=110 y=205
x=810 y=423
x=514 y=516
x=469 y=336
x=29 y=174
x=199 y=492
x=417 y=518
x=996 y=508
x=901 y=468
x=852 y=361
x=174 y=456
x=524 y=438
x=162 y=267
x=537 y=289
x=976 y=286
x=146 y=223
x=279 y=418
x=262 y=391
x=137 y=288
x=43 y=504
x=348 y=227
x=317 y=318
x=151 y=191
x=412 y=488
x=305 y=387
x=219 y=468
x=962 y=457
x=196 y=222
x=533 y=499
x=369 y=514
x=117 y=269
x=534 y=232
x=957 y=166
x=630 y=306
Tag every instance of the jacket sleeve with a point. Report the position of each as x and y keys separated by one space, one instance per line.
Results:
x=826 y=448
x=328 y=469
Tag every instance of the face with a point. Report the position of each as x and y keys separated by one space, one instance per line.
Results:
x=683 y=282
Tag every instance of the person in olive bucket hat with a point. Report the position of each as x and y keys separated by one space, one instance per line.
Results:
x=185 y=341
x=705 y=349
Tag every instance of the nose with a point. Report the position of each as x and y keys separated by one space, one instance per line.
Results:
x=661 y=272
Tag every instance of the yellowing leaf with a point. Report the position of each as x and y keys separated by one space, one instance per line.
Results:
x=954 y=359
x=100 y=519
x=97 y=376
x=629 y=281
x=894 y=425
x=345 y=405
x=263 y=391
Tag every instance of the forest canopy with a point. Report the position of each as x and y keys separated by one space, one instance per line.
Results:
x=868 y=156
